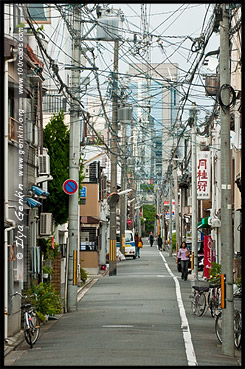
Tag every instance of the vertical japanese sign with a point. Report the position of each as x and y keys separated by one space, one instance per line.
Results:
x=203 y=175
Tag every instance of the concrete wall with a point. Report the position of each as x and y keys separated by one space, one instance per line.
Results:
x=89 y=260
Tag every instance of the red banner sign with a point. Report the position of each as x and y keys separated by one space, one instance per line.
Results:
x=208 y=255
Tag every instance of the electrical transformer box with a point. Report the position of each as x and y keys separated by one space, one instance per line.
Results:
x=109 y=25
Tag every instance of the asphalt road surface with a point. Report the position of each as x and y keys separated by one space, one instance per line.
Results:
x=139 y=317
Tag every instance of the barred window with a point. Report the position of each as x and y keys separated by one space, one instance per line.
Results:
x=54 y=103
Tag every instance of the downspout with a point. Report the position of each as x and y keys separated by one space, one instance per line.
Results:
x=6 y=195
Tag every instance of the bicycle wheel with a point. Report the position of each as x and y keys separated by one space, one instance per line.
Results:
x=212 y=307
x=200 y=303
x=27 y=334
x=32 y=332
x=34 y=327
x=237 y=329
x=193 y=304
x=218 y=326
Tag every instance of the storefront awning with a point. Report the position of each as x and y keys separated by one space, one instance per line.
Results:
x=203 y=223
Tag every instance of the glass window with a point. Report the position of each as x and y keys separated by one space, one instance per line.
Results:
x=40 y=13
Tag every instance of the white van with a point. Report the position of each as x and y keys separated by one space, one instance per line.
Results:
x=129 y=243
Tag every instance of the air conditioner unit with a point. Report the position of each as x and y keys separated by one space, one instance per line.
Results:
x=43 y=164
x=118 y=211
x=46 y=224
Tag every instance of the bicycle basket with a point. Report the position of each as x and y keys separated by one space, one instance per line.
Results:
x=199 y=283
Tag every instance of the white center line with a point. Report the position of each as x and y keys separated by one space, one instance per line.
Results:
x=189 y=349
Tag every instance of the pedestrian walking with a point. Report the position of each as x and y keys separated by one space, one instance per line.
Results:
x=183 y=254
x=137 y=248
x=151 y=238
x=159 y=242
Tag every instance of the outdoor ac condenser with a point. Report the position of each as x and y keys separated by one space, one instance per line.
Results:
x=46 y=224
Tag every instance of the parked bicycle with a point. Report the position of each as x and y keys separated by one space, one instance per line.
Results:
x=214 y=298
x=198 y=300
x=237 y=323
x=31 y=320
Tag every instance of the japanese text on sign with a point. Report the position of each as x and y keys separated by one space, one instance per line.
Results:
x=203 y=175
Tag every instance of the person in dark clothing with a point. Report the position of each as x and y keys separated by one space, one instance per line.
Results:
x=137 y=240
x=159 y=242
x=151 y=238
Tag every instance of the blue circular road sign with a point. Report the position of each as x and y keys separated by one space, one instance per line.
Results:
x=70 y=186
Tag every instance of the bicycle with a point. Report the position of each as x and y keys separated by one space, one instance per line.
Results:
x=31 y=321
x=198 y=302
x=238 y=321
x=237 y=324
x=213 y=298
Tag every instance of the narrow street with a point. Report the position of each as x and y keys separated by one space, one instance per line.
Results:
x=140 y=317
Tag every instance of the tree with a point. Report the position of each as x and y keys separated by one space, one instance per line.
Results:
x=149 y=212
x=56 y=140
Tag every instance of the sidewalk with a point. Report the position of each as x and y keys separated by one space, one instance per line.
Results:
x=207 y=347
x=13 y=342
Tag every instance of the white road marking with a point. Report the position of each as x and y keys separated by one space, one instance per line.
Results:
x=189 y=349
x=117 y=326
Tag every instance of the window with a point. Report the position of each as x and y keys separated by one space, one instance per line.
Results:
x=40 y=13
x=83 y=201
x=54 y=103
x=17 y=15
x=13 y=129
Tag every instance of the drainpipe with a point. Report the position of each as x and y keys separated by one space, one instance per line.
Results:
x=6 y=195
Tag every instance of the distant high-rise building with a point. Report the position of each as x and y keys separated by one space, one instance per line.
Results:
x=155 y=100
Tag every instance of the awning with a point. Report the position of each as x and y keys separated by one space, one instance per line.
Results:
x=89 y=220
x=203 y=223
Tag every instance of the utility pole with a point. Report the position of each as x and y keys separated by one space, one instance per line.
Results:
x=177 y=227
x=163 y=228
x=113 y=219
x=123 y=187
x=194 y=190
x=138 y=207
x=74 y=149
x=227 y=246
x=170 y=213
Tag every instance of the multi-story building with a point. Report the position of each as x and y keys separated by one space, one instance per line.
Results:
x=23 y=166
x=154 y=115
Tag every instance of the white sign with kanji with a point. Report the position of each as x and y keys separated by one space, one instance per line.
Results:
x=203 y=175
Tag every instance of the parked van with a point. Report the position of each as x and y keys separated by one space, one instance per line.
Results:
x=129 y=243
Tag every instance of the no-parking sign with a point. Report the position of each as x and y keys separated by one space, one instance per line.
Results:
x=70 y=186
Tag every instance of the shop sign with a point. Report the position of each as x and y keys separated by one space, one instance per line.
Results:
x=203 y=175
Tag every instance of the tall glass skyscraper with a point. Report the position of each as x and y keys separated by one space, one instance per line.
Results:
x=154 y=102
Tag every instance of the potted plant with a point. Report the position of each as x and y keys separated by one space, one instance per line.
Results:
x=46 y=271
x=48 y=301
x=20 y=25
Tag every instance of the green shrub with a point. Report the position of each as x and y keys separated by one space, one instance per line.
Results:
x=48 y=299
x=215 y=273
x=84 y=275
x=238 y=282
